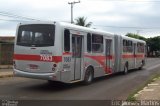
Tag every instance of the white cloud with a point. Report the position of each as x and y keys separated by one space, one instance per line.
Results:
x=7 y=32
x=111 y=18
x=101 y=12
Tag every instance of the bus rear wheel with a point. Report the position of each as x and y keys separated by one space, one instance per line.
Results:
x=142 y=64
x=88 y=78
x=125 y=70
x=51 y=82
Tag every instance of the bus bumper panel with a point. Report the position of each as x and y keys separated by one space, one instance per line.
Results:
x=45 y=76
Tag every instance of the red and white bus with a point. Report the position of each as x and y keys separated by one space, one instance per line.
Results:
x=69 y=53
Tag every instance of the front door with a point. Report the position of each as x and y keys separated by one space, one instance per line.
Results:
x=134 y=53
x=76 y=56
x=108 y=55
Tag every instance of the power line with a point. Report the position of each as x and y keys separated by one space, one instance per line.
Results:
x=13 y=20
x=129 y=0
x=7 y=14
x=2 y=13
x=128 y=27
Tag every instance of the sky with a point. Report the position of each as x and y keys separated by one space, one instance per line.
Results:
x=116 y=16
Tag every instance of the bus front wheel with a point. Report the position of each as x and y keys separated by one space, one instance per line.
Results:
x=88 y=78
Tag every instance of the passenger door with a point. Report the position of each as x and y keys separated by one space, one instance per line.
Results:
x=134 y=53
x=108 y=55
x=76 y=57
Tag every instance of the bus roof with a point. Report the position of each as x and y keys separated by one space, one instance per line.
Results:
x=133 y=39
x=85 y=28
x=69 y=25
x=81 y=28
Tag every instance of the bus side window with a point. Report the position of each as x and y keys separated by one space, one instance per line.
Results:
x=140 y=47
x=88 y=42
x=124 y=46
x=66 y=40
x=97 y=43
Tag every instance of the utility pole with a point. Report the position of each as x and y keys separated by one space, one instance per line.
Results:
x=72 y=3
x=138 y=31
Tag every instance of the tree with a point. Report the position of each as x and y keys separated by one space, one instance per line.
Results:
x=82 y=22
x=136 y=36
x=154 y=44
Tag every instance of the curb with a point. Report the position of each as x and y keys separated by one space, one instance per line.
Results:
x=133 y=96
x=6 y=66
x=6 y=74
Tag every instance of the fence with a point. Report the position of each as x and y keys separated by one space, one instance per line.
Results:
x=6 y=53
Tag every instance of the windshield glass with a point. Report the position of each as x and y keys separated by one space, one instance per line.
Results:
x=37 y=35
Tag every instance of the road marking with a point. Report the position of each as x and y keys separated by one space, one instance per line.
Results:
x=148 y=90
x=155 y=79
x=150 y=68
x=153 y=84
x=136 y=95
x=140 y=92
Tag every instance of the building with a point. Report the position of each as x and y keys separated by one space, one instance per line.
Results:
x=6 y=39
x=6 y=50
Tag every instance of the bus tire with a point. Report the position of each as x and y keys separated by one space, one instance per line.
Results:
x=140 y=68
x=88 y=78
x=125 y=70
x=142 y=64
x=51 y=82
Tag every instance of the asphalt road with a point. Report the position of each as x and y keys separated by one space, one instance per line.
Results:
x=107 y=88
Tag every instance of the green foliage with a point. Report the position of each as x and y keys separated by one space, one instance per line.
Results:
x=154 y=43
x=136 y=36
x=82 y=22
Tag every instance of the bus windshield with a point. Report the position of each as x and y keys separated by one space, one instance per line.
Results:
x=36 y=35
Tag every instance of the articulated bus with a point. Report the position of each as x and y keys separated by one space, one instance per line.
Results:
x=69 y=53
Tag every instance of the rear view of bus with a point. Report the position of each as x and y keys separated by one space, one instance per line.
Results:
x=35 y=53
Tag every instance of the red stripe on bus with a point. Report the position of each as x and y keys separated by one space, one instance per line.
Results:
x=100 y=57
x=140 y=56
x=26 y=57
x=101 y=60
x=56 y=59
x=67 y=53
x=133 y=56
x=127 y=56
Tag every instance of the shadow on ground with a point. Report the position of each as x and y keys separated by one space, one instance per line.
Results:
x=58 y=86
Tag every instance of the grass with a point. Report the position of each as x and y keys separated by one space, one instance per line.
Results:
x=131 y=96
